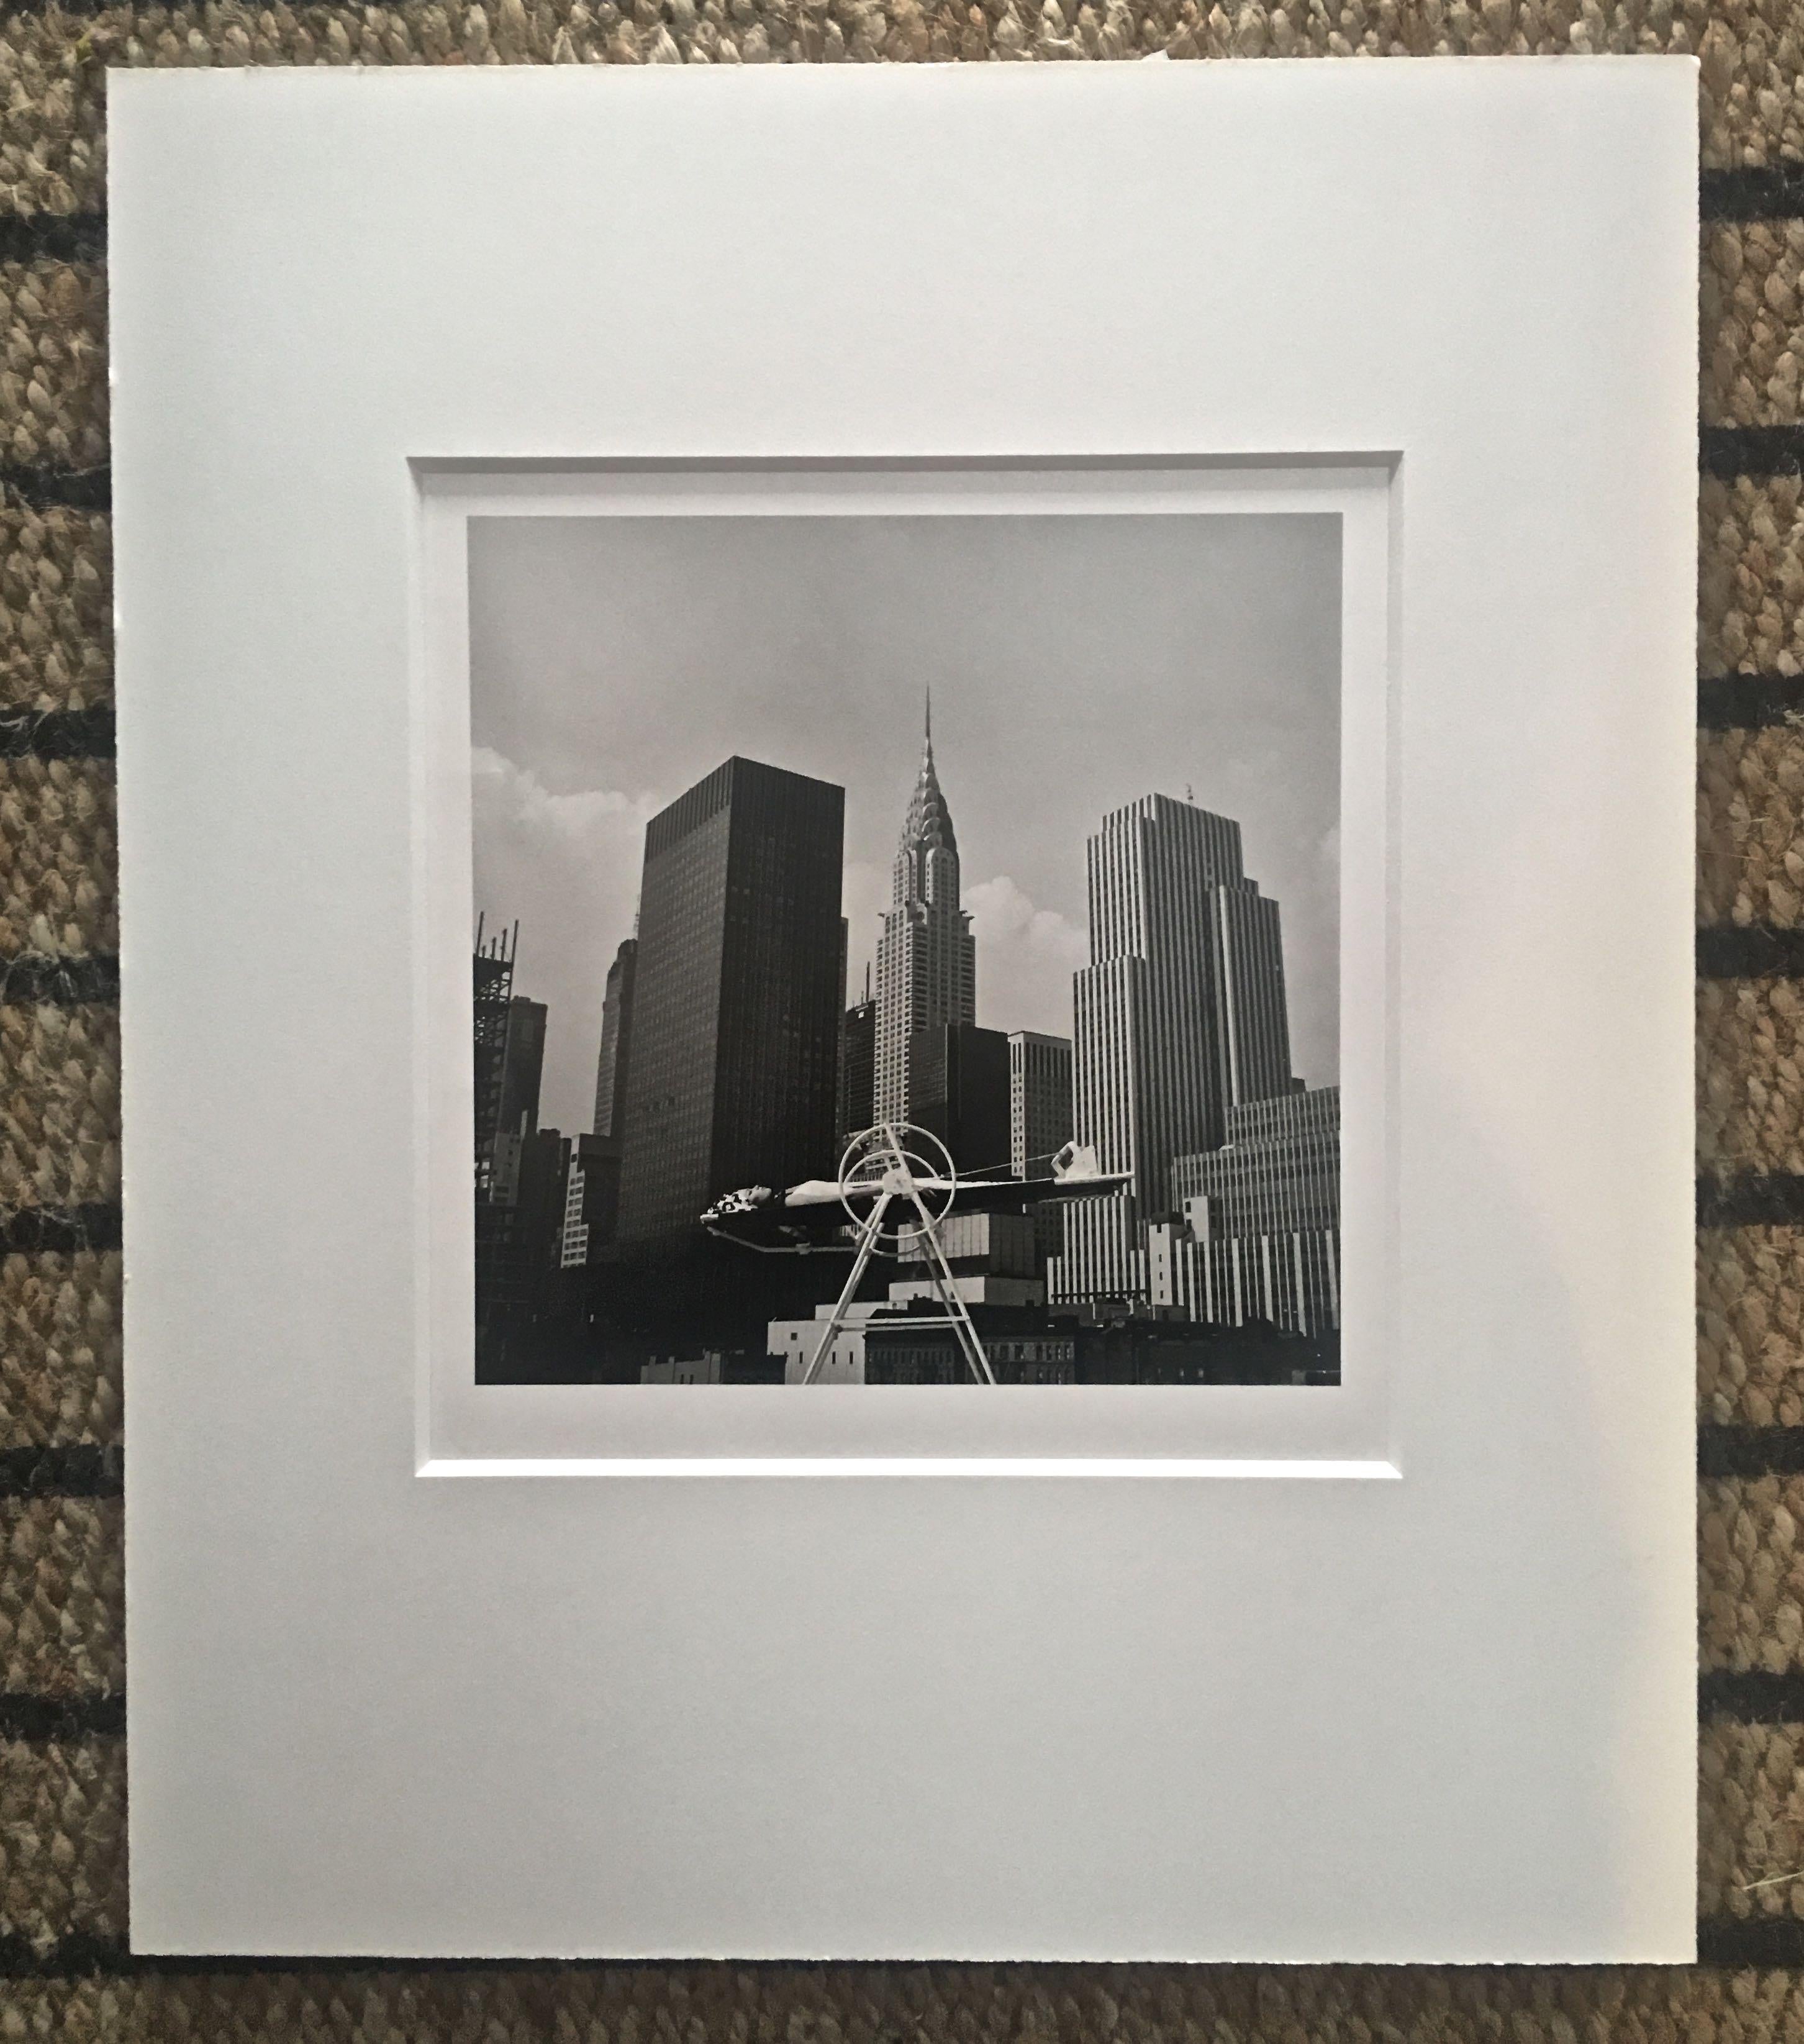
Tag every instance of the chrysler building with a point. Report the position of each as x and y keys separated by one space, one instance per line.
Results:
x=926 y=958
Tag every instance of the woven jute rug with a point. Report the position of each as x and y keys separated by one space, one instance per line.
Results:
x=65 y=1969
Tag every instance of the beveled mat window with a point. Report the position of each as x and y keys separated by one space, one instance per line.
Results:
x=473 y=1429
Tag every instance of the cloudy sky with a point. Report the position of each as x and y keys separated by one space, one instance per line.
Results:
x=1076 y=663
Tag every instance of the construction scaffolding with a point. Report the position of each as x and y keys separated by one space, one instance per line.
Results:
x=493 y=964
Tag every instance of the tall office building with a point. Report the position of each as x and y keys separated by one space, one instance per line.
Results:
x=857 y=1069
x=1039 y=1100
x=735 y=1011
x=594 y=1169
x=511 y=1236
x=523 y=1064
x=492 y=988
x=616 y=1059
x=596 y=1162
x=1280 y=1168
x=508 y=1048
x=591 y=1199
x=528 y=1256
x=926 y=958
x=958 y=1089
x=1180 y=1016
x=1260 y=1238
x=1039 y=1123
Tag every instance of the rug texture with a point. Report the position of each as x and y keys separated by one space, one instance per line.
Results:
x=65 y=1971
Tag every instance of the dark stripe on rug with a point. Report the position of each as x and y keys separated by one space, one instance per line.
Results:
x=1770 y=191
x=1750 y=1451
x=1757 y=1199
x=1775 y=191
x=58 y=734
x=1757 y=1695
x=99 y=1715
x=1752 y=1696
x=1729 y=451
x=31 y=1231
x=1753 y=951
x=76 y=1957
x=12 y=11
x=52 y=237
x=1768 y=1943
x=79 y=1471
x=60 y=982
x=80 y=1956
x=1751 y=1941
x=76 y=489
x=1749 y=702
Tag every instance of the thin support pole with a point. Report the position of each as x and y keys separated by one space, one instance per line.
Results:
x=841 y=1315
x=957 y=1312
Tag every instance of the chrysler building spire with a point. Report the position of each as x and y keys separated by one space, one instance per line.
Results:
x=926 y=958
x=927 y=859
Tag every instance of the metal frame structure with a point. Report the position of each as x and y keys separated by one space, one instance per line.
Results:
x=493 y=962
x=891 y=1160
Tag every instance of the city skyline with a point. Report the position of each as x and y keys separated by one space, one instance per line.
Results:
x=1080 y=1037
x=729 y=1067
x=1218 y=639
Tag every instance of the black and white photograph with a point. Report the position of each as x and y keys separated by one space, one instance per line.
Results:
x=906 y=949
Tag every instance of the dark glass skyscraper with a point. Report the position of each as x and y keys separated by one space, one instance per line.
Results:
x=958 y=1089
x=736 y=998
x=522 y=1066
x=510 y=1242
x=616 y=1059
x=857 y=1069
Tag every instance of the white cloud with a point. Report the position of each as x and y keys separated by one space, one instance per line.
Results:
x=1026 y=956
x=567 y=866
x=514 y=797
x=1002 y=912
